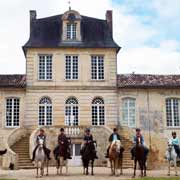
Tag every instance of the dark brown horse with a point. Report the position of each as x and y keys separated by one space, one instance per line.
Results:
x=3 y=152
x=140 y=158
x=60 y=153
x=88 y=155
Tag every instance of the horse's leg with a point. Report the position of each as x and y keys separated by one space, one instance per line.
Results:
x=37 y=170
x=111 y=167
x=92 y=166
x=175 y=167
x=60 y=165
x=87 y=164
x=114 y=168
x=66 y=167
x=169 y=164
x=135 y=163
x=144 y=167
x=120 y=163
x=47 y=166
x=141 y=167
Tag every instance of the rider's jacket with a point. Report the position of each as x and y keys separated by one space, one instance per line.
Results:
x=175 y=141
x=114 y=135
x=88 y=138
x=62 y=138
x=43 y=137
x=135 y=139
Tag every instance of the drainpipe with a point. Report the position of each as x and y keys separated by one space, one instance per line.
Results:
x=148 y=111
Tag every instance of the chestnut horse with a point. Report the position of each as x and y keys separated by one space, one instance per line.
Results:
x=116 y=157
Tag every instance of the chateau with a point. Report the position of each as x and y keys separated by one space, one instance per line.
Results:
x=71 y=81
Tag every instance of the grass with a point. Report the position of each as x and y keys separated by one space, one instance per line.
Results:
x=154 y=178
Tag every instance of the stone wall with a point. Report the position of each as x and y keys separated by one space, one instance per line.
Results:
x=58 y=67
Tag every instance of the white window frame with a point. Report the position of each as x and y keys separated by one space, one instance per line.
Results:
x=98 y=74
x=69 y=121
x=12 y=111
x=98 y=105
x=45 y=67
x=72 y=68
x=172 y=112
x=72 y=32
x=128 y=111
x=45 y=105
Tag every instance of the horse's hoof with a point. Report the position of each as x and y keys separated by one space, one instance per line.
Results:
x=176 y=174
x=133 y=176
x=47 y=174
x=168 y=174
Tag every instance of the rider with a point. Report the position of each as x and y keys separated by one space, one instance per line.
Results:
x=62 y=139
x=135 y=139
x=114 y=136
x=88 y=138
x=175 y=142
x=42 y=136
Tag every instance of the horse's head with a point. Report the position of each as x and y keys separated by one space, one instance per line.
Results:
x=116 y=145
x=41 y=143
x=170 y=145
x=138 y=142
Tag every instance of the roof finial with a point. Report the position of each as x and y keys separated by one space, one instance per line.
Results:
x=69 y=2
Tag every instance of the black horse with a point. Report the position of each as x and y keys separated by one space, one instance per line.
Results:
x=140 y=157
x=3 y=152
x=88 y=154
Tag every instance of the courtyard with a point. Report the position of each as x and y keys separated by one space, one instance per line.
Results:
x=75 y=173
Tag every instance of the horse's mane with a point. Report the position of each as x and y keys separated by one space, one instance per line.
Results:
x=116 y=142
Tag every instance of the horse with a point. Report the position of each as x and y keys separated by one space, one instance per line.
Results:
x=171 y=156
x=88 y=153
x=41 y=159
x=140 y=158
x=116 y=156
x=61 y=158
x=3 y=152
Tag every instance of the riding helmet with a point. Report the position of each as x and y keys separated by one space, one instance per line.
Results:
x=138 y=129
x=62 y=130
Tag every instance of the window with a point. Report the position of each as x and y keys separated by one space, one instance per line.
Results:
x=71 y=31
x=71 y=112
x=12 y=112
x=45 y=67
x=97 y=67
x=45 y=112
x=173 y=112
x=128 y=112
x=98 y=117
x=71 y=67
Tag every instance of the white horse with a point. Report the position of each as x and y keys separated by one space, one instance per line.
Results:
x=41 y=159
x=171 y=157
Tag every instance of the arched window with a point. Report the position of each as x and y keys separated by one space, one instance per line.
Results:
x=98 y=112
x=71 y=112
x=173 y=112
x=129 y=112
x=45 y=111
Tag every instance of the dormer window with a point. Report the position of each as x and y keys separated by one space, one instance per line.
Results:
x=71 y=31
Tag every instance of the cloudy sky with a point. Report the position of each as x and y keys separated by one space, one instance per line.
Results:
x=147 y=30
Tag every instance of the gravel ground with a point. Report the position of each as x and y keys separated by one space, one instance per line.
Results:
x=75 y=173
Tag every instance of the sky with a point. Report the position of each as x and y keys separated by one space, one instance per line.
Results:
x=147 y=31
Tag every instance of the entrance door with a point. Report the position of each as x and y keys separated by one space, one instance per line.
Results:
x=76 y=157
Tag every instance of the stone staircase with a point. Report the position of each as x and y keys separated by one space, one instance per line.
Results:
x=21 y=148
x=127 y=144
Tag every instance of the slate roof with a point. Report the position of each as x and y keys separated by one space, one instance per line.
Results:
x=148 y=81
x=15 y=81
x=123 y=81
x=46 y=33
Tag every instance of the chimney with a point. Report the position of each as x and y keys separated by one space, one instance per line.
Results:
x=109 y=20
x=32 y=17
